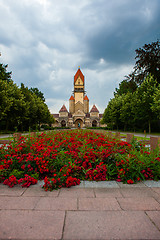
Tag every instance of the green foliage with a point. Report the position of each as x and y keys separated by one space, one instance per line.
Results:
x=18 y=174
x=155 y=105
x=21 y=108
x=126 y=87
x=148 y=62
x=137 y=110
x=136 y=103
x=112 y=112
x=35 y=175
x=38 y=93
x=4 y=75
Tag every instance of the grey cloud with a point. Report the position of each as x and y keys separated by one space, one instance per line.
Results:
x=44 y=42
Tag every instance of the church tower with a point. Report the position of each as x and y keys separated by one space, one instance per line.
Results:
x=78 y=115
x=79 y=86
x=79 y=100
x=71 y=105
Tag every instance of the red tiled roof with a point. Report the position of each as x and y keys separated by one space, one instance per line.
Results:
x=86 y=98
x=79 y=73
x=94 y=109
x=63 y=109
x=71 y=98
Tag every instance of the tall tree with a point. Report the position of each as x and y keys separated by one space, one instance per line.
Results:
x=126 y=87
x=21 y=108
x=111 y=114
x=143 y=101
x=127 y=111
x=148 y=62
x=5 y=101
x=38 y=93
x=15 y=111
x=4 y=75
x=155 y=106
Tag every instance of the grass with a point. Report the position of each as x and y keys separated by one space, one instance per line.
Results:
x=123 y=134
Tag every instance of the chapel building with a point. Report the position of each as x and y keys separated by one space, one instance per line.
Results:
x=78 y=115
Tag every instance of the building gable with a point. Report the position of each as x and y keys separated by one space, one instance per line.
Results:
x=79 y=106
x=79 y=73
x=79 y=82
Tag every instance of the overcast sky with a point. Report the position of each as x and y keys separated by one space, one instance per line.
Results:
x=44 y=42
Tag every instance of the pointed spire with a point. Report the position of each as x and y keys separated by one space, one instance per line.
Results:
x=79 y=73
x=94 y=109
x=86 y=98
x=71 y=98
x=63 y=109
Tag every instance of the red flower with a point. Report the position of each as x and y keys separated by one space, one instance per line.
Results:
x=11 y=181
x=130 y=181
x=23 y=167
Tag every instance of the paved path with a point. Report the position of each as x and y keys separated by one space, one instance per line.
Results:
x=147 y=135
x=135 y=134
x=91 y=211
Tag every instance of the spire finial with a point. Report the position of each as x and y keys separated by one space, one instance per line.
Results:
x=79 y=67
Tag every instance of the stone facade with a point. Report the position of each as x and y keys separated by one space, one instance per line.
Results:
x=78 y=115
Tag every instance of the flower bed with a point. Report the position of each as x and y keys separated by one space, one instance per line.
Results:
x=64 y=158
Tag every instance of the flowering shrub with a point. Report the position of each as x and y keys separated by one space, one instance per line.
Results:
x=97 y=174
x=11 y=181
x=27 y=181
x=63 y=158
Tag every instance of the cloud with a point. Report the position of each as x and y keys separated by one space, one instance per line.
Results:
x=44 y=42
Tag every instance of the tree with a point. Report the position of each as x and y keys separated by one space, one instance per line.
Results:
x=148 y=62
x=21 y=108
x=5 y=102
x=5 y=79
x=4 y=75
x=127 y=111
x=126 y=87
x=111 y=114
x=144 y=100
x=37 y=111
x=155 y=106
x=38 y=93
x=16 y=108
x=31 y=108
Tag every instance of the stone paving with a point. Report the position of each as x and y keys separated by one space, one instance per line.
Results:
x=91 y=211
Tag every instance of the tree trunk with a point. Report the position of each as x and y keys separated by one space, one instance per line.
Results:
x=149 y=126
x=7 y=124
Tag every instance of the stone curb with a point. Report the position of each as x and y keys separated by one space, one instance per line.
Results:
x=111 y=184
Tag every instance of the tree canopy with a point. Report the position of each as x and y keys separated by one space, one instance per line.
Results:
x=147 y=62
x=21 y=108
x=136 y=103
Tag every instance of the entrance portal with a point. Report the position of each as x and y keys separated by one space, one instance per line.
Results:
x=63 y=123
x=79 y=123
x=94 y=123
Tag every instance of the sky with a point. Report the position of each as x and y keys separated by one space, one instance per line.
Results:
x=45 y=41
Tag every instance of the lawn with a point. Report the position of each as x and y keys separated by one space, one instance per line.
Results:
x=64 y=158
